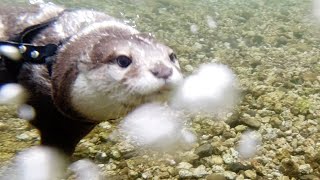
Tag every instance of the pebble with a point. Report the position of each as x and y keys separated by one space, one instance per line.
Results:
x=230 y=174
x=188 y=157
x=241 y=128
x=305 y=169
x=250 y=174
x=184 y=173
x=289 y=167
x=238 y=166
x=163 y=175
x=216 y=160
x=102 y=157
x=27 y=136
x=197 y=46
x=204 y=150
x=240 y=177
x=189 y=68
x=184 y=165
x=216 y=176
x=251 y=122
x=146 y=175
x=133 y=174
x=228 y=158
x=309 y=177
x=218 y=148
x=200 y=171
x=283 y=178
x=3 y=126
x=217 y=169
x=115 y=154
x=105 y=125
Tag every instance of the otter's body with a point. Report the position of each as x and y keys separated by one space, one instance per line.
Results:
x=102 y=69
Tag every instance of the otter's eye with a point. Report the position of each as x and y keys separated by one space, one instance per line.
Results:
x=123 y=61
x=173 y=57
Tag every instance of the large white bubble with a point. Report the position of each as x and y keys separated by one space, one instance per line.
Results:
x=248 y=144
x=37 y=163
x=156 y=126
x=12 y=94
x=211 y=90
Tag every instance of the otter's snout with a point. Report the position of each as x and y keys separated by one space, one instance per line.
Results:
x=161 y=71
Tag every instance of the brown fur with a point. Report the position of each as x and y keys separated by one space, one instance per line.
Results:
x=60 y=125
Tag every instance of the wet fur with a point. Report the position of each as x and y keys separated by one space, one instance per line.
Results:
x=62 y=99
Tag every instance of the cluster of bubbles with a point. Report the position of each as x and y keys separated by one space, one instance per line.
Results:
x=44 y=163
x=156 y=126
x=248 y=144
x=211 y=90
x=15 y=94
x=211 y=23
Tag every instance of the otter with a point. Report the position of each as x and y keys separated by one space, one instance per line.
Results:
x=102 y=68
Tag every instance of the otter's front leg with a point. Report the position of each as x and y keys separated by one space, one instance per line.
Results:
x=59 y=131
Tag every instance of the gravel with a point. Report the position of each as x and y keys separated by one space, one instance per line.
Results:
x=274 y=50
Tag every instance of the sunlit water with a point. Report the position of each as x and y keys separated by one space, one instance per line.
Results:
x=272 y=46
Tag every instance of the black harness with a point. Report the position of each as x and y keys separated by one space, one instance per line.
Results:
x=27 y=52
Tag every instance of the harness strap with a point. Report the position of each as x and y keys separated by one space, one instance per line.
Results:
x=24 y=52
x=13 y=55
x=19 y=50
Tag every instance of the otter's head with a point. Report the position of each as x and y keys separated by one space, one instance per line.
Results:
x=105 y=72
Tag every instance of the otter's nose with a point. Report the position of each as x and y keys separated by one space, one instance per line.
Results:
x=161 y=71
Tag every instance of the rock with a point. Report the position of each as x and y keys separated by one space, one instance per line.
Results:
x=309 y=177
x=230 y=174
x=200 y=171
x=289 y=167
x=102 y=157
x=204 y=150
x=197 y=46
x=217 y=169
x=147 y=175
x=305 y=169
x=282 y=40
x=229 y=134
x=218 y=148
x=251 y=121
x=250 y=174
x=105 y=125
x=238 y=166
x=189 y=68
x=240 y=177
x=115 y=154
x=133 y=174
x=216 y=160
x=241 y=128
x=184 y=173
x=3 y=126
x=261 y=169
x=216 y=176
x=188 y=157
x=28 y=136
x=275 y=122
x=218 y=127
x=184 y=165
x=164 y=175
x=228 y=158
x=110 y=166
x=283 y=178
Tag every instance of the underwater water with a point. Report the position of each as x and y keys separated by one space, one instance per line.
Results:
x=272 y=46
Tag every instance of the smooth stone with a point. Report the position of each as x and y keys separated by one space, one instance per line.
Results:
x=204 y=150
x=216 y=176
